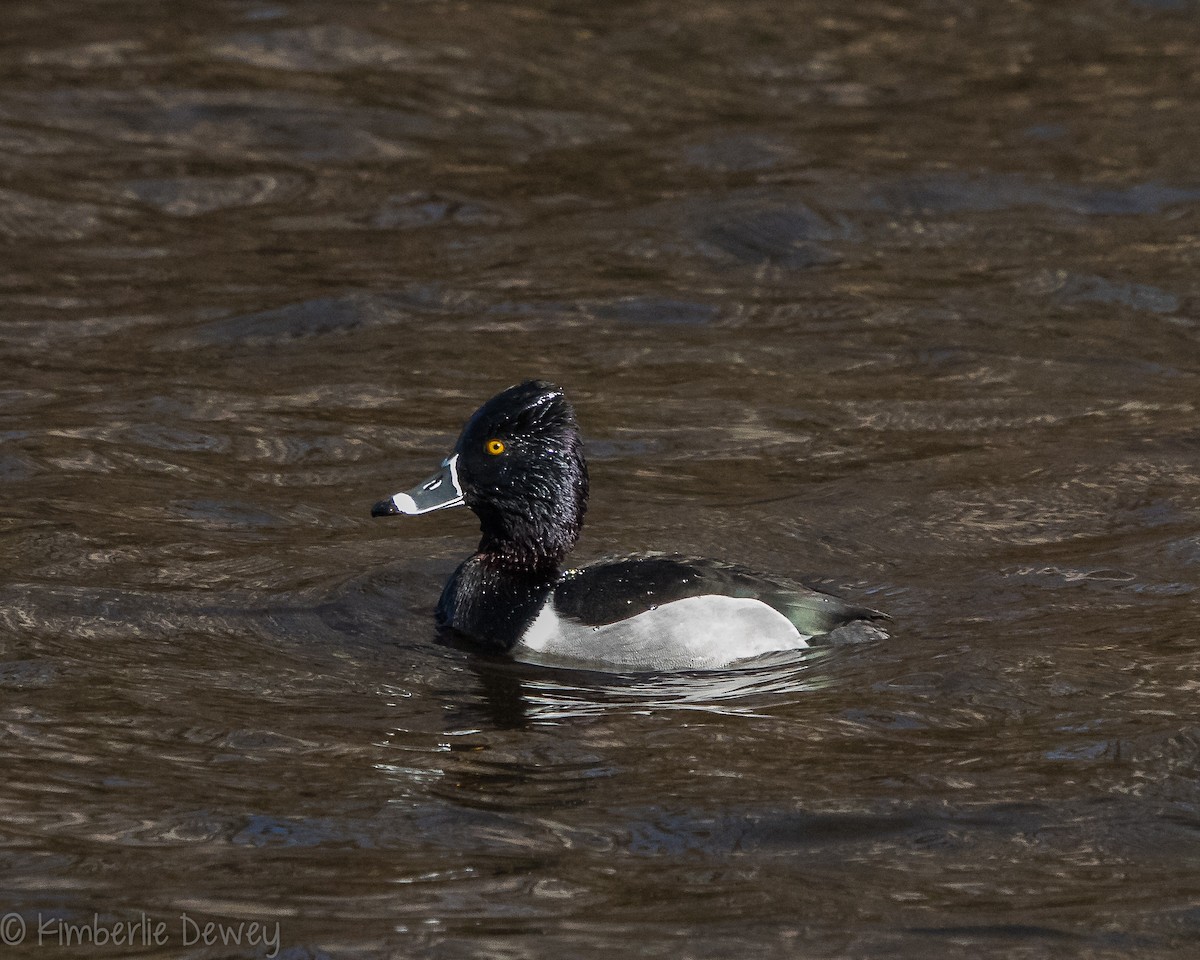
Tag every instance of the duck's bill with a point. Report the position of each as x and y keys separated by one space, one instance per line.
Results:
x=440 y=491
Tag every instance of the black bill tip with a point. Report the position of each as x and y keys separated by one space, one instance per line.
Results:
x=385 y=508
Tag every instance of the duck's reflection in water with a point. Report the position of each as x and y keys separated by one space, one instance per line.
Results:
x=518 y=694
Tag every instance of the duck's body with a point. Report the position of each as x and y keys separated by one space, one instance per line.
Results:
x=519 y=466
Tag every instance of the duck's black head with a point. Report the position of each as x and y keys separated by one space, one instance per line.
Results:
x=519 y=465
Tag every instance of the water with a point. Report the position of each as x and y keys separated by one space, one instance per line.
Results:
x=901 y=296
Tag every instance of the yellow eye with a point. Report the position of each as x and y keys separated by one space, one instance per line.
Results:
x=494 y=447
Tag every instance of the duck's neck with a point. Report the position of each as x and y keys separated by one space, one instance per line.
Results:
x=498 y=592
x=534 y=534
x=524 y=557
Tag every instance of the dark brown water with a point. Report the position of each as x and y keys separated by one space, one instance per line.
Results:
x=901 y=295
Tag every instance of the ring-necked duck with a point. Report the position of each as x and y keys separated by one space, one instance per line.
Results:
x=519 y=466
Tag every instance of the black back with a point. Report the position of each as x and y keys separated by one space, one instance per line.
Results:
x=613 y=590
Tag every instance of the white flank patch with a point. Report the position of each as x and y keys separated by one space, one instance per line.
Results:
x=696 y=633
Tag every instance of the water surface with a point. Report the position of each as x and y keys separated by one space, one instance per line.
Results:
x=898 y=296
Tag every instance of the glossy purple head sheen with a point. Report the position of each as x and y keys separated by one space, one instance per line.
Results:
x=531 y=496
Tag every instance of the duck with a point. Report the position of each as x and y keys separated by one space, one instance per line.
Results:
x=519 y=465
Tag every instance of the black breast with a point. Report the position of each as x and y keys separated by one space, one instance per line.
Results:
x=492 y=602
